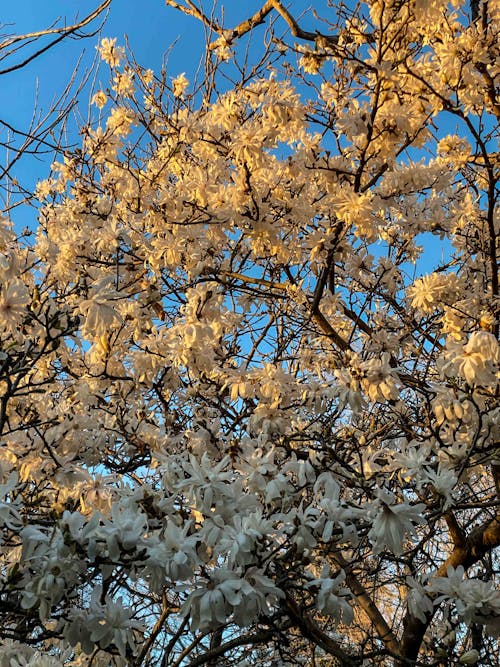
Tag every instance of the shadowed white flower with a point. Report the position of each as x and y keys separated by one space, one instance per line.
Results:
x=392 y=521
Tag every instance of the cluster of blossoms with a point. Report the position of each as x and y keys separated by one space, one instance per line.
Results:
x=227 y=407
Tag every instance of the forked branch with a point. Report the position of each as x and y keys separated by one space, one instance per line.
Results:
x=14 y=44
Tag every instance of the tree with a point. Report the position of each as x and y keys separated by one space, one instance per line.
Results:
x=244 y=420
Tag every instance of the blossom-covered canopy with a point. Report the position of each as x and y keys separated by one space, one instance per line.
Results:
x=249 y=365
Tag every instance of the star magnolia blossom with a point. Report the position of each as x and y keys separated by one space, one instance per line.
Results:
x=249 y=361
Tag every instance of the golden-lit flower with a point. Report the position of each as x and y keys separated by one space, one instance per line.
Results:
x=14 y=297
x=109 y=52
x=179 y=85
x=100 y=99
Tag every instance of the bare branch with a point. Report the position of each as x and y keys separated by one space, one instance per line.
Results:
x=62 y=32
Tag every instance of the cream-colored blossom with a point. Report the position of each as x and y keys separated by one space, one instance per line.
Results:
x=476 y=361
x=179 y=85
x=311 y=62
x=431 y=292
x=120 y=121
x=14 y=297
x=123 y=83
x=100 y=99
x=6 y=233
x=378 y=381
x=100 y=314
x=109 y=52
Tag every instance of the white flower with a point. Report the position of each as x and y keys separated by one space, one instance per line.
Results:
x=331 y=597
x=99 y=99
x=120 y=121
x=484 y=344
x=179 y=85
x=450 y=585
x=98 y=310
x=443 y=480
x=6 y=234
x=310 y=63
x=104 y=625
x=207 y=608
x=36 y=660
x=123 y=83
x=109 y=52
x=14 y=297
x=226 y=594
x=239 y=541
x=125 y=530
x=9 y=506
x=114 y=627
x=391 y=522
x=179 y=551
x=429 y=292
x=476 y=361
x=378 y=382
x=418 y=601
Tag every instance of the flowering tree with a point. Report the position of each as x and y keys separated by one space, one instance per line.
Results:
x=249 y=368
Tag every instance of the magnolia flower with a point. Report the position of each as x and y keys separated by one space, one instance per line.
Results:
x=109 y=52
x=484 y=344
x=311 y=63
x=9 y=514
x=331 y=596
x=178 y=551
x=378 y=382
x=99 y=99
x=239 y=542
x=113 y=625
x=443 y=480
x=179 y=85
x=99 y=313
x=37 y=659
x=209 y=608
x=14 y=297
x=411 y=459
x=104 y=625
x=392 y=521
x=419 y=602
x=429 y=292
x=120 y=121
x=226 y=594
x=476 y=361
x=6 y=234
x=476 y=601
x=450 y=585
x=125 y=529
x=123 y=83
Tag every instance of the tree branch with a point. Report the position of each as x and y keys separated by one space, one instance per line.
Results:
x=217 y=651
x=310 y=630
x=385 y=633
x=62 y=33
x=482 y=539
